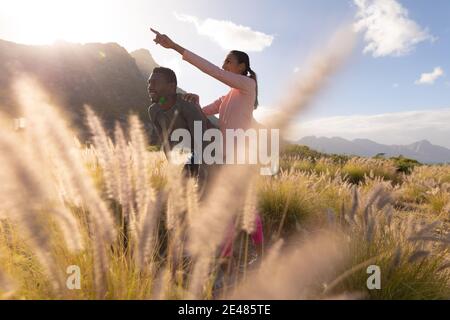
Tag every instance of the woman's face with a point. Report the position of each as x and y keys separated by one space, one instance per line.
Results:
x=231 y=64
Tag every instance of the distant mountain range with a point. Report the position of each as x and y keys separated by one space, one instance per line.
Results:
x=422 y=151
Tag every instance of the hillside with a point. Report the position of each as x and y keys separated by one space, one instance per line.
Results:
x=105 y=76
x=422 y=151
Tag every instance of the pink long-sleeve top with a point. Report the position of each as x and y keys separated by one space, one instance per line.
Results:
x=236 y=108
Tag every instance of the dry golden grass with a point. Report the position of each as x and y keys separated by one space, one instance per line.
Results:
x=138 y=230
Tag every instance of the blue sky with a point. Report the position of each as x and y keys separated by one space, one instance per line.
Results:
x=380 y=90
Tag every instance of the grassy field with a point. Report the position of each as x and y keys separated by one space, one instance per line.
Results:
x=115 y=220
x=136 y=230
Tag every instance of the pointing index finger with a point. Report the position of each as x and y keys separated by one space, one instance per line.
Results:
x=155 y=32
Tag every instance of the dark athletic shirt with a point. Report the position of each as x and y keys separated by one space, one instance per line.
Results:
x=180 y=116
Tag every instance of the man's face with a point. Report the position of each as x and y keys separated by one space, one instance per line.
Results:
x=159 y=87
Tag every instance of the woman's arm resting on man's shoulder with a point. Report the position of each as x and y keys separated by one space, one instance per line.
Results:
x=213 y=108
x=191 y=97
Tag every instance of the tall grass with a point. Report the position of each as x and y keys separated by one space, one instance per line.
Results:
x=137 y=229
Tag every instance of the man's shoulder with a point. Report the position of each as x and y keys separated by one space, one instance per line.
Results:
x=186 y=106
x=183 y=103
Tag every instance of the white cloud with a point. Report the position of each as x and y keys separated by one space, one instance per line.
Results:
x=388 y=29
x=296 y=69
x=430 y=78
x=388 y=128
x=395 y=85
x=229 y=35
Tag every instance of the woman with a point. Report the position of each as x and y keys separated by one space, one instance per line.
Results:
x=235 y=109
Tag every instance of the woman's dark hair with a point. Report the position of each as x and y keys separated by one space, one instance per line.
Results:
x=242 y=57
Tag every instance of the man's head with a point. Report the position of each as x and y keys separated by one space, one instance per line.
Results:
x=162 y=84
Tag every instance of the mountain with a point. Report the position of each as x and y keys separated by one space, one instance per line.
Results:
x=422 y=151
x=146 y=64
x=144 y=61
x=103 y=75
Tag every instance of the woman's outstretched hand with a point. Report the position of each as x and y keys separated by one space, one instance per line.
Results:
x=163 y=40
x=191 y=97
x=166 y=42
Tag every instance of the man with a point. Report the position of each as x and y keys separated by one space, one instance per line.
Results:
x=169 y=112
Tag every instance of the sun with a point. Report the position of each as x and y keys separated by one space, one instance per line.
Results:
x=46 y=21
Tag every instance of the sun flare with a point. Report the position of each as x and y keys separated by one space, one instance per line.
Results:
x=47 y=21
